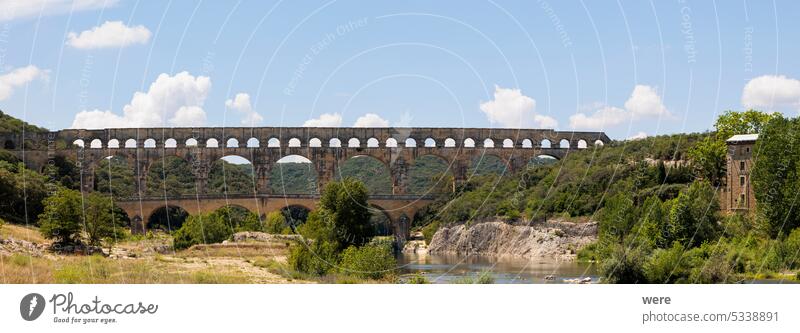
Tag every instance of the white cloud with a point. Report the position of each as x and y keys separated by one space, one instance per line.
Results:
x=109 y=34
x=605 y=117
x=241 y=103
x=371 y=120
x=638 y=136
x=171 y=100
x=20 y=9
x=325 y=120
x=510 y=108
x=643 y=103
x=771 y=92
x=20 y=77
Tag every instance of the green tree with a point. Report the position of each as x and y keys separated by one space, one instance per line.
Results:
x=62 y=217
x=345 y=205
x=21 y=193
x=226 y=177
x=775 y=175
x=654 y=228
x=101 y=219
x=202 y=229
x=368 y=261
x=617 y=218
x=693 y=215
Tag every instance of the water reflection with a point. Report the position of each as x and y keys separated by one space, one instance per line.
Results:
x=453 y=268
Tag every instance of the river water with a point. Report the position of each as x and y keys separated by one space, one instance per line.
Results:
x=455 y=268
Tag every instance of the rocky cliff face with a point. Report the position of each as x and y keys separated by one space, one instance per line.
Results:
x=553 y=239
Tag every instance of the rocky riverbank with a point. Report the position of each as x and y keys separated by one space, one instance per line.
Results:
x=560 y=240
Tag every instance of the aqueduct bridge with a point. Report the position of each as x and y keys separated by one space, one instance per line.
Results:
x=326 y=148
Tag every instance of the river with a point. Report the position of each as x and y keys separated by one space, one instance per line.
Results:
x=453 y=268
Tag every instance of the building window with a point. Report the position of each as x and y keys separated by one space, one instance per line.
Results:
x=741 y=180
x=747 y=149
x=741 y=199
x=741 y=165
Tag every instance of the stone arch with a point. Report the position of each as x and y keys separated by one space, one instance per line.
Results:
x=582 y=144
x=114 y=176
x=374 y=173
x=410 y=142
x=335 y=143
x=542 y=159
x=190 y=142
x=131 y=143
x=429 y=174
x=546 y=143
x=293 y=174
x=167 y=218
x=508 y=143
x=232 y=143
x=78 y=143
x=170 y=143
x=9 y=144
x=430 y=142
x=527 y=143
x=96 y=143
x=295 y=142
x=273 y=143
x=564 y=143
x=113 y=143
x=391 y=143
x=380 y=221
x=295 y=214
x=353 y=143
x=252 y=143
x=212 y=143
x=315 y=143
x=469 y=143
x=449 y=143
x=373 y=143
x=171 y=176
x=488 y=143
x=486 y=164
x=599 y=143
x=150 y=143
x=231 y=174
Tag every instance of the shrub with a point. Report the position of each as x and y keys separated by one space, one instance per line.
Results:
x=429 y=230
x=202 y=229
x=485 y=277
x=624 y=266
x=369 y=261
x=417 y=279
x=62 y=216
x=672 y=265
x=316 y=258
x=275 y=223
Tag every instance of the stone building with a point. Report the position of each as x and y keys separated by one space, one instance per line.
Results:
x=737 y=192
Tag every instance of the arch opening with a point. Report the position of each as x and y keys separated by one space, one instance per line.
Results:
x=212 y=143
x=353 y=143
x=294 y=142
x=167 y=218
x=541 y=160
x=391 y=143
x=598 y=143
x=150 y=143
x=293 y=174
x=488 y=143
x=9 y=145
x=527 y=143
x=113 y=143
x=508 y=143
x=232 y=143
x=295 y=215
x=430 y=142
x=564 y=143
x=78 y=143
x=546 y=143
x=191 y=142
x=315 y=143
x=410 y=142
x=113 y=176
x=253 y=143
x=372 y=143
x=273 y=143
x=171 y=176
x=375 y=175
x=335 y=143
x=231 y=174
x=449 y=143
x=170 y=143
x=469 y=143
x=429 y=174
x=380 y=221
x=487 y=164
x=130 y=143
x=95 y=144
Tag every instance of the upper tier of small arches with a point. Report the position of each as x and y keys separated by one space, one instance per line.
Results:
x=336 y=142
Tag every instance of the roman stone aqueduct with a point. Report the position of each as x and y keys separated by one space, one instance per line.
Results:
x=326 y=148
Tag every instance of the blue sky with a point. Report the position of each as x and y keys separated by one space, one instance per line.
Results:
x=629 y=68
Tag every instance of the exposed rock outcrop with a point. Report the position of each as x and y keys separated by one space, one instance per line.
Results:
x=553 y=239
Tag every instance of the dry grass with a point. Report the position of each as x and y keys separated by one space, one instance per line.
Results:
x=96 y=269
x=236 y=250
x=30 y=234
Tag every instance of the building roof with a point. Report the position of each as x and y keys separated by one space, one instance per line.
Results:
x=743 y=138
